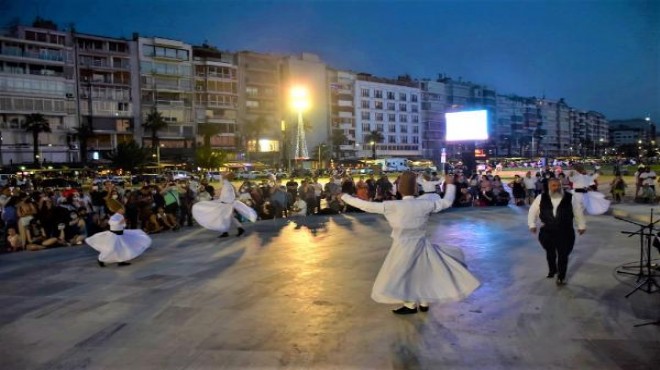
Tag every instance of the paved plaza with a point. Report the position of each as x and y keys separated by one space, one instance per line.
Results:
x=295 y=294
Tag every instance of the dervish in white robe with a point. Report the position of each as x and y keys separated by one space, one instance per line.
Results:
x=218 y=215
x=593 y=202
x=119 y=245
x=416 y=271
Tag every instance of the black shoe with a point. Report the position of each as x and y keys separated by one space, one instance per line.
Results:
x=100 y=263
x=561 y=281
x=224 y=235
x=550 y=275
x=423 y=308
x=240 y=231
x=123 y=264
x=403 y=310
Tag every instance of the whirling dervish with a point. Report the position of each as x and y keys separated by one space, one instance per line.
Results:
x=417 y=272
x=118 y=245
x=593 y=202
x=218 y=215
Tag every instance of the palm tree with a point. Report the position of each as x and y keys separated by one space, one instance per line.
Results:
x=129 y=155
x=338 y=138
x=207 y=130
x=253 y=129
x=83 y=133
x=36 y=123
x=155 y=123
x=374 y=137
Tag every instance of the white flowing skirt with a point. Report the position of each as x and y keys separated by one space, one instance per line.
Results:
x=215 y=215
x=423 y=272
x=595 y=203
x=115 y=248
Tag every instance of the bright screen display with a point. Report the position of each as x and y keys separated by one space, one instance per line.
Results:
x=466 y=126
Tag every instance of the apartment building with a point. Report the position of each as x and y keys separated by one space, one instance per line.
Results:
x=632 y=131
x=166 y=85
x=391 y=107
x=434 y=106
x=341 y=86
x=590 y=131
x=308 y=72
x=36 y=76
x=106 y=90
x=216 y=97
x=259 y=106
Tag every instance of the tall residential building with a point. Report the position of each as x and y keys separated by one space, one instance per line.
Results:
x=107 y=98
x=166 y=84
x=36 y=76
x=434 y=106
x=341 y=85
x=631 y=131
x=216 y=97
x=307 y=71
x=259 y=106
x=590 y=130
x=557 y=127
x=391 y=107
x=518 y=126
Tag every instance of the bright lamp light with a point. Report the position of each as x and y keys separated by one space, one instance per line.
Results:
x=299 y=98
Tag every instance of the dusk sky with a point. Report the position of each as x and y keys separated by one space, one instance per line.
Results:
x=598 y=55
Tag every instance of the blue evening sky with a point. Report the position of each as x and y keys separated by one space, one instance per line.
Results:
x=601 y=55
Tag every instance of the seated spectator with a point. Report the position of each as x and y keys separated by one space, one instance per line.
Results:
x=464 y=198
x=14 y=242
x=486 y=197
x=36 y=237
x=161 y=221
x=75 y=231
x=299 y=208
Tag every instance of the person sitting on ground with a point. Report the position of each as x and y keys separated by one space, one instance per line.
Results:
x=14 y=242
x=37 y=239
x=75 y=231
x=161 y=221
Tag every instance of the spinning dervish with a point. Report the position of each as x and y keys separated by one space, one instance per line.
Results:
x=416 y=272
x=118 y=245
x=592 y=201
x=218 y=215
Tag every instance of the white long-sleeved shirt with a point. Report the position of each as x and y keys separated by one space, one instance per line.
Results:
x=428 y=185
x=535 y=210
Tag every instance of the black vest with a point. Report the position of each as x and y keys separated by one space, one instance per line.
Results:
x=564 y=218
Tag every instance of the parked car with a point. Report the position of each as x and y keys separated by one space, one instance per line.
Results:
x=179 y=175
x=214 y=175
x=59 y=183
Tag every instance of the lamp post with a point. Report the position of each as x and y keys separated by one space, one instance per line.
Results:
x=300 y=103
x=373 y=149
x=320 y=159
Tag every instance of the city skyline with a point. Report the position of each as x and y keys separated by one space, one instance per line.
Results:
x=597 y=56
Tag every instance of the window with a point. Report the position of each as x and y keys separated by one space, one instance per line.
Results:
x=415 y=139
x=414 y=108
x=403 y=96
x=366 y=127
x=366 y=115
x=403 y=118
x=365 y=93
x=403 y=107
x=391 y=117
x=415 y=119
x=379 y=105
x=379 y=127
x=365 y=104
x=378 y=94
x=251 y=91
x=413 y=98
x=122 y=107
x=415 y=129
x=379 y=117
x=390 y=95
x=404 y=129
x=391 y=106
x=404 y=139
x=252 y=104
x=391 y=139
x=391 y=128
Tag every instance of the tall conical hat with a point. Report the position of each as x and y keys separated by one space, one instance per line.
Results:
x=114 y=205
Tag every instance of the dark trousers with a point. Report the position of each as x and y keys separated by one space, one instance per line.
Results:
x=558 y=245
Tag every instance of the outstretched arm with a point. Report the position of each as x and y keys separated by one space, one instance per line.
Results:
x=371 y=207
x=450 y=195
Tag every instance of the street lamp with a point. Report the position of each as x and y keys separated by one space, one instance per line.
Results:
x=300 y=103
x=373 y=149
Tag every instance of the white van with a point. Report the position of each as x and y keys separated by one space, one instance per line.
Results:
x=179 y=175
x=393 y=164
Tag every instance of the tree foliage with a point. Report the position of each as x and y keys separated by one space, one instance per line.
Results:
x=209 y=158
x=129 y=156
x=36 y=123
x=154 y=122
x=207 y=130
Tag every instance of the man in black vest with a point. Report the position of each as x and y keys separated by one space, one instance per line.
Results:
x=557 y=211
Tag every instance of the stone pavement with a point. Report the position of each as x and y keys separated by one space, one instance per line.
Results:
x=295 y=295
